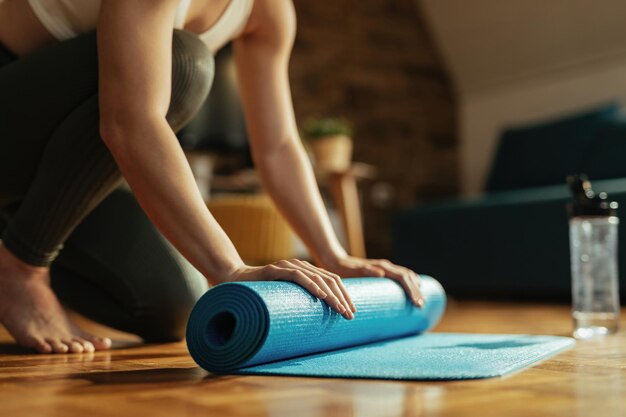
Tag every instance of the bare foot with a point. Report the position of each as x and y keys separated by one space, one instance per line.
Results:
x=31 y=312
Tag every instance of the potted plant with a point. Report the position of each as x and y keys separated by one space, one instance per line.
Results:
x=330 y=142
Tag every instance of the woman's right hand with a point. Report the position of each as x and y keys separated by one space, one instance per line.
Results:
x=319 y=282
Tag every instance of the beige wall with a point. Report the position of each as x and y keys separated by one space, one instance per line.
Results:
x=519 y=61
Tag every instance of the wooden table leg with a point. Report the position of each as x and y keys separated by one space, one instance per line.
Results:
x=345 y=195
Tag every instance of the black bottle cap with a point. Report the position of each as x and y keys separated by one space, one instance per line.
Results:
x=586 y=202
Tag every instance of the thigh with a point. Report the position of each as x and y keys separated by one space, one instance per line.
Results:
x=117 y=269
x=37 y=92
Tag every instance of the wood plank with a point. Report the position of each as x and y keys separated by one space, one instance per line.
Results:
x=162 y=380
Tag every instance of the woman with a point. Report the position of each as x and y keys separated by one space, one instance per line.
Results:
x=80 y=109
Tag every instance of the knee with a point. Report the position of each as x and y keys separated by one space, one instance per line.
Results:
x=168 y=321
x=192 y=75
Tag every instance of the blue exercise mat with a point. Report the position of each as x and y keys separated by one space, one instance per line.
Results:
x=279 y=328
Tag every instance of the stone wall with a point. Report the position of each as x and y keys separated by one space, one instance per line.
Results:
x=373 y=62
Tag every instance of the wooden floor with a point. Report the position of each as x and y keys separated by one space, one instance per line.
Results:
x=162 y=380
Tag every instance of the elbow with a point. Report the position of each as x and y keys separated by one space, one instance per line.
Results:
x=123 y=131
x=273 y=151
x=111 y=135
x=115 y=129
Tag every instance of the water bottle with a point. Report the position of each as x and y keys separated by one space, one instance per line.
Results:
x=593 y=225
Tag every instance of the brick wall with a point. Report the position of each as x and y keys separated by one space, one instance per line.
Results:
x=373 y=62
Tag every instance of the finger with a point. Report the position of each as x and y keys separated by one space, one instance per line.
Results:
x=332 y=300
x=334 y=285
x=318 y=274
x=415 y=292
x=398 y=271
x=415 y=278
x=57 y=346
x=338 y=283
x=404 y=280
x=312 y=268
x=330 y=276
x=289 y=272
x=417 y=295
x=309 y=285
x=410 y=278
x=347 y=296
x=406 y=283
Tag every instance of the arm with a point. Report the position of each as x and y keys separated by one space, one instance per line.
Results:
x=262 y=59
x=135 y=82
x=135 y=87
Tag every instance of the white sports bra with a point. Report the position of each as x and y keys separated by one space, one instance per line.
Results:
x=66 y=19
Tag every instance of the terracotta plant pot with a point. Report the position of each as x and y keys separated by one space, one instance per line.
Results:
x=333 y=153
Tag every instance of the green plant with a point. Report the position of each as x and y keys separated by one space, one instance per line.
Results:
x=314 y=128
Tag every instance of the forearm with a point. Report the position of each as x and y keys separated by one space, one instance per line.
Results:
x=289 y=179
x=262 y=59
x=162 y=182
x=135 y=78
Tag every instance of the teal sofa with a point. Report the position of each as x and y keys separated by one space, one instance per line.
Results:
x=513 y=242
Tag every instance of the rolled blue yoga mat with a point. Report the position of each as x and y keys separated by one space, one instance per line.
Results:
x=279 y=328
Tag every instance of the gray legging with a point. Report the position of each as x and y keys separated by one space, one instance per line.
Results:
x=61 y=203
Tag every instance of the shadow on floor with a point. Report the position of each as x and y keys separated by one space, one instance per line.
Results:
x=490 y=345
x=143 y=376
x=13 y=349
x=139 y=380
x=108 y=380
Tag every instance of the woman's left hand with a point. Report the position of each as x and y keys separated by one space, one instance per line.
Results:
x=350 y=266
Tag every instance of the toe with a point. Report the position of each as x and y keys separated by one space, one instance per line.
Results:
x=58 y=346
x=99 y=343
x=40 y=346
x=86 y=344
x=74 y=346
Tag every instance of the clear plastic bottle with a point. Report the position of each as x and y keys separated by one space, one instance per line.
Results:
x=593 y=247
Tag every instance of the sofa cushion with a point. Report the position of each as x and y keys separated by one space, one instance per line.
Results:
x=545 y=153
x=607 y=156
x=510 y=244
